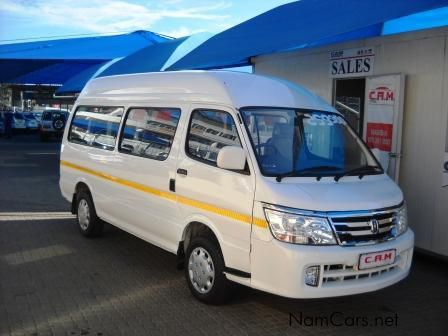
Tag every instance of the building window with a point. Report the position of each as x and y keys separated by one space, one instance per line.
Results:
x=149 y=132
x=209 y=131
x=96 y=126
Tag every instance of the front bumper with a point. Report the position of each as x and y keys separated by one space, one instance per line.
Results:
x=279 y=267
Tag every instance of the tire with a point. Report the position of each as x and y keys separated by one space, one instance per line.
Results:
x=58 y=124
x=212 y=286
x=89 y=224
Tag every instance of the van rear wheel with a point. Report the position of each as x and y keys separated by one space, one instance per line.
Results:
x=88 y=222
x=204 y=272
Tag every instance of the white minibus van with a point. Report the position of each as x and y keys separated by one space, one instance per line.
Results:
x=246 y=178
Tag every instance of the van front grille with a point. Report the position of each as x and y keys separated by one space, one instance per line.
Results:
x=342 y=273
x=363 y=229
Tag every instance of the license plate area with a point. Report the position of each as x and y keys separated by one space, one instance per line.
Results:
x=376 y=259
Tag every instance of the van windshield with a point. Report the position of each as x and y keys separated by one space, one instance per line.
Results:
x=292 y=142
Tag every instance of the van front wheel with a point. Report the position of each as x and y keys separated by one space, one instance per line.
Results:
x=88 y=222
x=204 y=270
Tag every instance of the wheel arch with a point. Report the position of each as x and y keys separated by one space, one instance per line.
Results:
x=80 y=185
x=195 y=228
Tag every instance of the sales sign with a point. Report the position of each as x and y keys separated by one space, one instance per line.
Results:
x=352 y=62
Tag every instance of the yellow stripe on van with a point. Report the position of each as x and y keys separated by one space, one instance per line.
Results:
x=260 y=222
x=170 y=196
x=121 y=181
x=215 y=209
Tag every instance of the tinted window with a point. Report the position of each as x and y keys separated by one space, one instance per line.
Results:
x=210 y=131
x=149 y=132
x=96 y=126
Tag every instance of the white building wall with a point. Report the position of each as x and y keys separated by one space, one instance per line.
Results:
x=423 y=58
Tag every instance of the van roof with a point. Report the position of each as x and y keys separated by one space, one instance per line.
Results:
x=233 y=88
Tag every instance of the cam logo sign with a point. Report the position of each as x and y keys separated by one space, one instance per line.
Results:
x=351 y=62
x=381 y=95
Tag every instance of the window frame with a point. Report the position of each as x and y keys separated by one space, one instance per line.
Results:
x=123 y=126
x=245 y=171
x=100 y=106
x=304 y=110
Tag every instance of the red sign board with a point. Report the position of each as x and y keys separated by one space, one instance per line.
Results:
x=379 y=136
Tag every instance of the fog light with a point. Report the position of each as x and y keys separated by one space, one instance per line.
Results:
x=312 y=276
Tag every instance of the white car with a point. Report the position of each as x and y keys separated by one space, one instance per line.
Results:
x=245 y=178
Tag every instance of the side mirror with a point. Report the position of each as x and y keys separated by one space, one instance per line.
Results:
x=231 y=157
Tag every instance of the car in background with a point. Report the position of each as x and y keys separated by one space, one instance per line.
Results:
x=30 y=121
x=18 y=122
x=38 y=116
x=2 y=124
x=53 y=123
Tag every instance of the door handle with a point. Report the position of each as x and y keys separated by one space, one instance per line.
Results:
x=172 y=186
x=181 y=171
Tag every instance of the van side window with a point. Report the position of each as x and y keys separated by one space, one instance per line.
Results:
x=149 y=132
x=96 y=126
x=209 y=131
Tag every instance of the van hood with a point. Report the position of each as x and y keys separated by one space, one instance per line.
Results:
x=348 y=194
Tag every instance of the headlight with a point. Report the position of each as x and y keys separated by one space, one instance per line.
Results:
x=401 y=220
x=299 y=229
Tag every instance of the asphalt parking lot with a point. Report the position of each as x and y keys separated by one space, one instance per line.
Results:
x=55 y=282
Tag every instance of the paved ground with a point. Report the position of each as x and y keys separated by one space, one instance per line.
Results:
x=55 y=282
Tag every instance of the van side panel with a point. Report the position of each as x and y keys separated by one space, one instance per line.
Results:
x=92 y=167
x=143 y=193
x=216 y=197
x=129 y=191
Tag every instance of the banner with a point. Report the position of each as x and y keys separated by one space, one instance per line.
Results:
x=382 y=118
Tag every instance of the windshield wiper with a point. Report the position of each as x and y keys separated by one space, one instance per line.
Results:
x=300 y=172
x=362 y=170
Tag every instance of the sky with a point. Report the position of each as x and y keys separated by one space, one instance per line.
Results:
x=24 y=20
